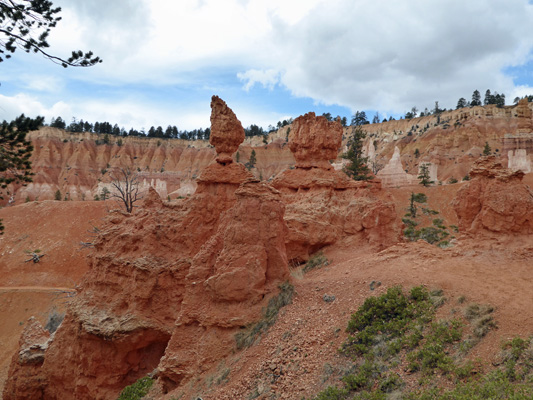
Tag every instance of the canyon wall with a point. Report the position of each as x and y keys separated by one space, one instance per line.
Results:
x=451 y=141
x=80 y=165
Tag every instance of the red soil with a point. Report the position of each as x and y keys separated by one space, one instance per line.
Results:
x=27 y=288
x=291 y=358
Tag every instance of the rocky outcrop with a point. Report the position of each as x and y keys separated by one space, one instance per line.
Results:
x=494 y=201
x=314 y=141
x=227 y=282
x=169 y=284
x=28 y=381
x=453 y=140
x=324 y=206
x=519 y=160
x=80 y=165
x=227 y=132
x=524 y=117
x=393 y=174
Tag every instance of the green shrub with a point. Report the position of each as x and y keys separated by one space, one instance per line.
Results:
x=332 y=393
x=137 y=390
x=404 y=324
x=384 y=318
x=317 y=260
x=248 y=336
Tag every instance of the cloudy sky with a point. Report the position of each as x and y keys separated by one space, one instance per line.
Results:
x=271 y=59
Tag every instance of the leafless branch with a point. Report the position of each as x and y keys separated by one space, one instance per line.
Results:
x=35 y=257
x=126 y=188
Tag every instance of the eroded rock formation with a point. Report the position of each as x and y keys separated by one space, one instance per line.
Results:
x=519 y=160
x=314 y=141
x=393 y=174
x=209 y=263
x=170 y=285
x=524 y=117
x=495 y=200
x=28 y=381
x=227 y=132
x=324 y=206
x=226 y=283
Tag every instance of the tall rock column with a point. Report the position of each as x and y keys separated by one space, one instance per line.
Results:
x=236 y=271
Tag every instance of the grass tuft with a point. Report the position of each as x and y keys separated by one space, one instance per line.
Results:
x=250 y=334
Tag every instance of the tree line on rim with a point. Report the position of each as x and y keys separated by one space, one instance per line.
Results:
x=171 y=131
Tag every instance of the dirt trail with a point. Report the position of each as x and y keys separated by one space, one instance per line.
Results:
x=4 y=289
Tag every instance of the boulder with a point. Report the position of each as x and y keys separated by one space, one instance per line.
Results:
x=314 y=141
x=495 y=200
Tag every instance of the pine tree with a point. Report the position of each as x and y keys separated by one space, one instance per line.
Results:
x=15 y=150
x=357 y=168
x=359 y=118
x=425 y=179
x=488 y=98
x=476 y=98
x=487 y=150
x=104 y=195
x=26 y=26
x=251 y=162
x=461 y=103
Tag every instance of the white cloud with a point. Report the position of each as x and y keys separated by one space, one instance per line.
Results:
x=364 y=54
x=12 y=106
x=393 y=55
x=268 y=78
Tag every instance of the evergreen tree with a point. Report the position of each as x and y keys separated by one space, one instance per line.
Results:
x=461 y=103
x=104 y=195
x=251 y=162
x=357 y=168
x=344 y=121
x=476 y=98
x=488 y=98
x=359 y=118
x=425 y=179
x=175 y=132
x=26 y=25
x=15 y=151
x=87 y=127
x=58 y=123
x=437 y=110
x=487 y=150
x=499 y=100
